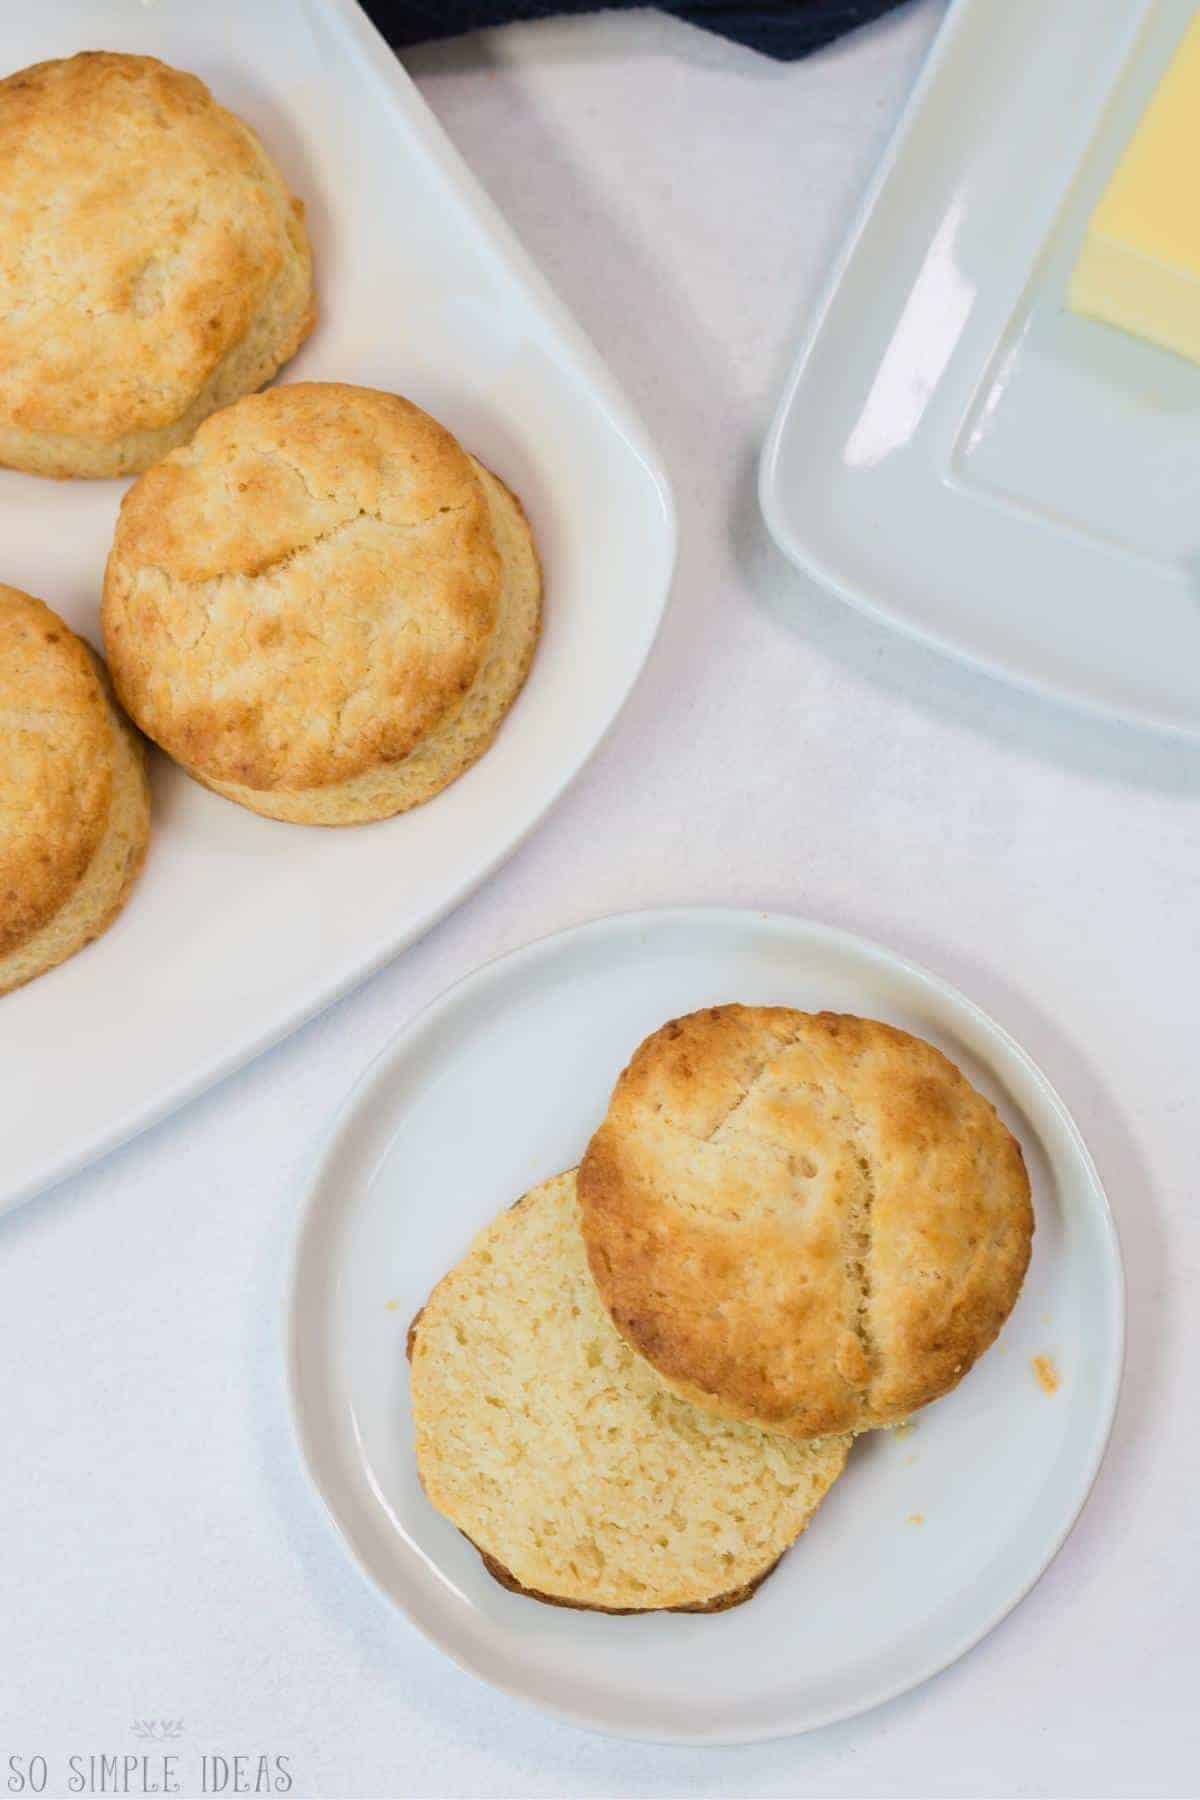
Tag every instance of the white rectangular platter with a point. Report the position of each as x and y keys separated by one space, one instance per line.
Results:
x=241 y=927
x=955 y=451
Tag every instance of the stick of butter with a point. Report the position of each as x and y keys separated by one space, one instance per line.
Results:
x=1140 y=263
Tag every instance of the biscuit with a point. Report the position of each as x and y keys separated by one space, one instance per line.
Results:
x=321 y=607
x=720 y=1603
x=554 y=1448
x=813 y=1222
x=74 y=805
x=154 y=265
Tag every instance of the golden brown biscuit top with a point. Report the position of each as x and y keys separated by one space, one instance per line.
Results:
x=55 y=768
x=304 y=590
x=140 y=226
x=814 y=1221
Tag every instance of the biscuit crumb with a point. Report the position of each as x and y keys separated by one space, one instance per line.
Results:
x=904 y=1429
x=1046 y=1373
x=391 y=1306
x=916 y=1519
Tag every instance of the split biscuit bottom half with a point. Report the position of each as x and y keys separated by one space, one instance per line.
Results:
x=557 y=1451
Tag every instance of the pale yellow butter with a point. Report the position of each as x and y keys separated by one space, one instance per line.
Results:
x=1140 y=263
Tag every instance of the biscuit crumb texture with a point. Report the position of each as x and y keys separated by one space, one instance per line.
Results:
x=810 y=1221
x=322 y=606
x=74 y=803
x=153 y=265
x=1046 y=1374
x=561 y=1456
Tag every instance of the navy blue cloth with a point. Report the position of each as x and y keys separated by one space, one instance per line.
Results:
x=786 y=30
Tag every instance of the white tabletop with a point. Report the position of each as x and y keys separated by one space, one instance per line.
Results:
x=163 y=1557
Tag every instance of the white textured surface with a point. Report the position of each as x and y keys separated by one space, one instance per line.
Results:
x=162 y=1556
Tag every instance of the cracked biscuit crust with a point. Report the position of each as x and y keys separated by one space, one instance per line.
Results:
x=563 y=1458
x=153 y=265
x=322 y=606
x=74 y=808
x=811 y=1221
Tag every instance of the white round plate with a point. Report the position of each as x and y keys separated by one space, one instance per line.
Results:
x=930 y=1537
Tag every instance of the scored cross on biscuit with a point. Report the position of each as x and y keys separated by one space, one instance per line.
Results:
x=812 y=1222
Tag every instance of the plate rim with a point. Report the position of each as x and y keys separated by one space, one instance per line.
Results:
x=817 y=563
x=367 y=1086
x=382 y=66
